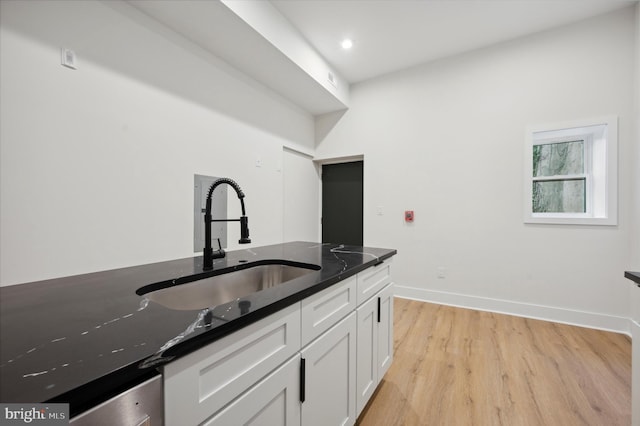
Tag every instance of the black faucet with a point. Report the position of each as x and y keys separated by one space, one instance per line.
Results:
x=208 y=252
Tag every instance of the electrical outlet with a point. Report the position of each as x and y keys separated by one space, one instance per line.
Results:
x=442 y=272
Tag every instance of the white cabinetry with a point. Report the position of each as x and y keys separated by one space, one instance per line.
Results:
x=372 y=280
x=635 y=372
x=324 y=309
x=385 y=331
x=374 y=343
x=635 y=354
x=199 y=384
x=273 y=401
x=330 y=373
x=316 y=362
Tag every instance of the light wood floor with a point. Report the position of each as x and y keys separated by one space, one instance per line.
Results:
x=457 y=366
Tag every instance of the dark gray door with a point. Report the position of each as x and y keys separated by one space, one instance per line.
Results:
x=342 y=203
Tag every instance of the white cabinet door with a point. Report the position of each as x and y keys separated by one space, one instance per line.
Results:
x=635 y=302
x=367 y=351
x=328 y=391
x=385 y=331
x=635 y=372
x=274 y=401
x=374 y=344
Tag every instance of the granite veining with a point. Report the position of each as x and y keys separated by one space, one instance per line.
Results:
x=78 y=339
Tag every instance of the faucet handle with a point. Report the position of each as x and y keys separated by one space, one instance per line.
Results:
x=220 y=253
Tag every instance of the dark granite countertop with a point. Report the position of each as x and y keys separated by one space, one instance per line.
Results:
x=84 y=338
x=633 y=276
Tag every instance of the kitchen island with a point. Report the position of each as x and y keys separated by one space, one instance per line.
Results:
x=84 y=338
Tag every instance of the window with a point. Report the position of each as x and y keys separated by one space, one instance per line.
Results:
x=570 y=173
x=559 y=177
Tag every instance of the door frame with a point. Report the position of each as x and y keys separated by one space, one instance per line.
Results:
x=339 y=160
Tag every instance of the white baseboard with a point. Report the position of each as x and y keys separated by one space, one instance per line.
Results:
x=546 y=313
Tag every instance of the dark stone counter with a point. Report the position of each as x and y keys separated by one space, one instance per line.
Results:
x=633 y=276
x=84 y=338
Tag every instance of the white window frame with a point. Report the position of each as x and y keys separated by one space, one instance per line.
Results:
x=601 y=162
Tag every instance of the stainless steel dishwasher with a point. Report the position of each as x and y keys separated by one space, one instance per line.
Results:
x=142 y=405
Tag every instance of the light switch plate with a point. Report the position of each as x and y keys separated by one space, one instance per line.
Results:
x=68 y=58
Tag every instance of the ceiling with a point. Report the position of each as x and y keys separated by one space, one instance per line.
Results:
x=390 y=35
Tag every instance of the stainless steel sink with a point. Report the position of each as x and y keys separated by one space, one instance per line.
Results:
x=219 y=289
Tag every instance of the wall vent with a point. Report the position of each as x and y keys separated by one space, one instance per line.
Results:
x=332 y=79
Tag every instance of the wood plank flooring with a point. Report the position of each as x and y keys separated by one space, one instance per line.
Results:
x=457 y=366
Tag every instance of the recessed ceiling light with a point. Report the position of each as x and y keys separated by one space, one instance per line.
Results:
x=347 y=43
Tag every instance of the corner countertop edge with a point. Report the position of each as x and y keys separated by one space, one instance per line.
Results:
x=633 y=276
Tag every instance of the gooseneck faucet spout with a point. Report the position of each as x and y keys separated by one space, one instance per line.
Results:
x=208 y=253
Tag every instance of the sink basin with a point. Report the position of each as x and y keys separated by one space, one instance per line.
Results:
x=200 y=293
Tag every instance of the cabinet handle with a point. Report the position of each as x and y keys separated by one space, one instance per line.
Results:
x=302 y=379
x=378 y=309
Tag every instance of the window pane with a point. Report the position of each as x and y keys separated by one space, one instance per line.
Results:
x=555 y=159
x=559 y=196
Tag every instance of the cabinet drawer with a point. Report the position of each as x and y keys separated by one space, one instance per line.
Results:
x=201 y=383
x=372 y=280
x=324 y=309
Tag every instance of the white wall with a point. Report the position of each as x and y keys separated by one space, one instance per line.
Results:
x=97 y=164
x=446 y=139
x=301 y=211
